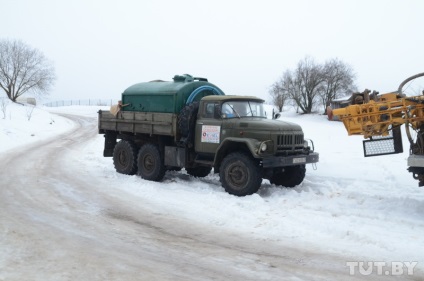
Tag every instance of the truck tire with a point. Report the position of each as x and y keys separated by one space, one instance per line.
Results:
x=240 y=174
x=150 y=163
x=290 y=177
x=125 y=157
x=187 y=123
x=199 y=172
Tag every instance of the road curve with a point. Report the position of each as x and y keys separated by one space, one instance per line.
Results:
x=56 y=224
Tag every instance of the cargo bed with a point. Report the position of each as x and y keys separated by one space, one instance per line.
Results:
x=138 y=123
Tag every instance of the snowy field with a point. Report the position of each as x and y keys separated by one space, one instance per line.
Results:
x=367 y=209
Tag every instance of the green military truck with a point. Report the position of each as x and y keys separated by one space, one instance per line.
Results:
x=189 y=123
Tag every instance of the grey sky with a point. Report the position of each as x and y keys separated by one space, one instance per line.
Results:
x=99 y=48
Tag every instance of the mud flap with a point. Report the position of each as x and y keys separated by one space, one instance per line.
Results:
x=110 y=142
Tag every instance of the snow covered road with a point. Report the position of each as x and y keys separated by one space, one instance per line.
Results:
x=66 y=215
x=60 y=225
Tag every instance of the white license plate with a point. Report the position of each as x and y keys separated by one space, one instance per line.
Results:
x=299 y=160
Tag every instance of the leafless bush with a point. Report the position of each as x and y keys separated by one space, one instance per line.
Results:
x=29 y=110
x=3 y=104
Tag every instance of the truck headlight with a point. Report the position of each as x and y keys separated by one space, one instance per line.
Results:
x=305 y=144
x=263 y=147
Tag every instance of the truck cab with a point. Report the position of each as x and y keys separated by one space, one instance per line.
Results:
x=226 y=124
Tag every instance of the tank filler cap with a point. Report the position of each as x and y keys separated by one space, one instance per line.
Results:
x=183 y=78
x=186 y=78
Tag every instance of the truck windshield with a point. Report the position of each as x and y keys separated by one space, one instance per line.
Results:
x=240 y=109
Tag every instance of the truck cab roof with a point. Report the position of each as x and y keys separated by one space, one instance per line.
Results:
x=231 y=97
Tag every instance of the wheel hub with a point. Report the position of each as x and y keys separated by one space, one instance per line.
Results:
x=123 y=158
x=238 y=175
x=148 y=162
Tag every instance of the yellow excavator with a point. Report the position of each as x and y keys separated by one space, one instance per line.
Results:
x=378 y=117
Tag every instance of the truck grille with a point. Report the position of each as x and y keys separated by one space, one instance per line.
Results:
x=287 y=142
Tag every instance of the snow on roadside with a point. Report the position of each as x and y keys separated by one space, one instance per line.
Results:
x=369 y=208
x=24 y=124
x=364 y=207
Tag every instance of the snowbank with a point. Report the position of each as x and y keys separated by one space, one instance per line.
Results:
x=24 y=124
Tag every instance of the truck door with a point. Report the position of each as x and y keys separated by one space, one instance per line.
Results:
x=208 y=128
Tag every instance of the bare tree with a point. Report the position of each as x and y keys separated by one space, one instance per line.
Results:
x=338 y=80
x=278 y=95
x=301 y=85
x=24 y=69
x=311 y=83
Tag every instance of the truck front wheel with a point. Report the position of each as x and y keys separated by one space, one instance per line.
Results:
x=150 y=163
x=125 y=157
x=240 y=175
x=290 y=177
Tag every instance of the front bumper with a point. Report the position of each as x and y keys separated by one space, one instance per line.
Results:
x=292 y=160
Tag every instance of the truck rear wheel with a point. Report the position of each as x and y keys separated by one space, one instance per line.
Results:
x=240 y=175
x=125 y=157
x=150 y=163
x=199 y=172
x=290 y=177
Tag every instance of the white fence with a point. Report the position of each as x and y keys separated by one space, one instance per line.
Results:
x=89 y=102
